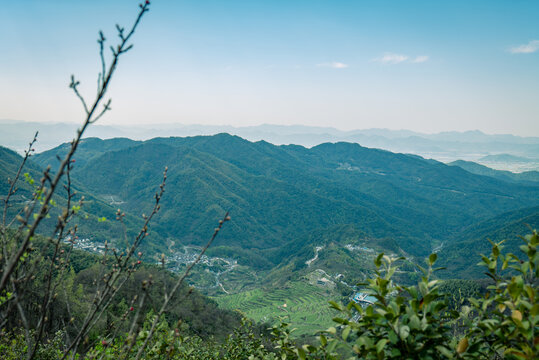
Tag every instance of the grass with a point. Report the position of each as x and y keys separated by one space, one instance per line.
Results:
x=306 y=306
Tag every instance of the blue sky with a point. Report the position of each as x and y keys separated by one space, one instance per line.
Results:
x=422 y=65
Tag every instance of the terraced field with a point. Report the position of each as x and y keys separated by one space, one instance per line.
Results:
x=304 y=306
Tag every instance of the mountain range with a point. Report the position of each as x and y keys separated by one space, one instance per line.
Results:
x=278 y=193
x=309 y=220
x=510 y=152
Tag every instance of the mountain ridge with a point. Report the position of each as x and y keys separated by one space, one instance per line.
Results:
x=339 y=178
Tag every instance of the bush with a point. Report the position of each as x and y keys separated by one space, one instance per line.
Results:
x=417 y=322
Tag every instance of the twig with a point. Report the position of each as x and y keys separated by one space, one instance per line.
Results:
x=12 y=191
x=103 y=299
x=121 y=48
x=178 y=284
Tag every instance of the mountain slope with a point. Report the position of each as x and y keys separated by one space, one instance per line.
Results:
x=88 y=220
x=276 y=194
x=89 y=148
x=473 y=241
x=200 y=188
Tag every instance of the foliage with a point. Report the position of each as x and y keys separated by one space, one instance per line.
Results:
x=405 y=322
x=416 y=322
x=13 y=347
x=508 y=319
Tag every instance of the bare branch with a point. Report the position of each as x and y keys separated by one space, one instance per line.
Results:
x=43 y=211
x=106 y=108
x=12 y=190
x=103 y=299
x=178 y=284
x=73 y=85
x=101 y=76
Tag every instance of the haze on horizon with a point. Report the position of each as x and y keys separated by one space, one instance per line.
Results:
x=422 y=65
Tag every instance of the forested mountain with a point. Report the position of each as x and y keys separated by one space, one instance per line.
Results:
x=88 y=220
x=473 y=241
x=89 y=149
x=306 y=223
x=277 y=194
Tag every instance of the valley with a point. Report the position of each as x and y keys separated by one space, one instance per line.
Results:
x=306 y=223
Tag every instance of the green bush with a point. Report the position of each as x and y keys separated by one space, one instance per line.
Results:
x=416 y=322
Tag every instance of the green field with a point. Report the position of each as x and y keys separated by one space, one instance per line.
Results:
x=306 y=307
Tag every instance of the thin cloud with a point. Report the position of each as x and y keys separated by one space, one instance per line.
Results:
x=334 y=65
x=389 y=58
x=420 y=59
x=392 y=59
x=529 y=48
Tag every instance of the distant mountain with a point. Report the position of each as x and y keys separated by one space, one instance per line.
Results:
x=505 y=158
x=528 y=177
x=445 y=146
x=17 y=134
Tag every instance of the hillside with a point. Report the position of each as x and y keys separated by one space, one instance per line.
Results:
x=87 y=220
x=9 y=164
x=278 y=193
x=308 y=222
x=473 y=241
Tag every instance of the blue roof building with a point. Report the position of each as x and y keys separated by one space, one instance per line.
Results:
x=364 y=299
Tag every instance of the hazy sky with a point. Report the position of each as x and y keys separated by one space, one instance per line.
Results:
x=422 y=65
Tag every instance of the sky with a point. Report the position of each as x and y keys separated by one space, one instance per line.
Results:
x=427 y=66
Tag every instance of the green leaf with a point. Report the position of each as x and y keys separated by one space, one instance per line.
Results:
x=335 y=306
x=392 y=337
x=378 y=260
x=346 y=332
x=365 y=341
x=495 y=251
x=380 y=345
x=332 y=345
x=414 y=323
x=432 y=258
x=444 y=351
x=323 y=340
x=404 y=332
x=395 y=353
